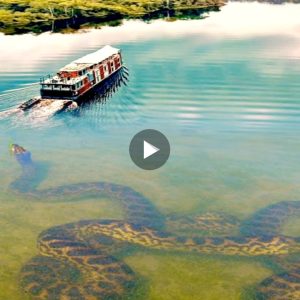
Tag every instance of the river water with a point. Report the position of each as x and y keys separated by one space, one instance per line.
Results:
x=223 y=89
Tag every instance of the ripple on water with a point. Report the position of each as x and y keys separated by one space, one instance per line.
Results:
x=225 y=90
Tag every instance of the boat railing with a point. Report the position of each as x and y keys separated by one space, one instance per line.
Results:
x=44 y=78
x=50 y=79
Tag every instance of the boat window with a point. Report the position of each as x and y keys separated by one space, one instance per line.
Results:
x=80 y=73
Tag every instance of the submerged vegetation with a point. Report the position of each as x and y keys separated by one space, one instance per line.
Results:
x=20 y=16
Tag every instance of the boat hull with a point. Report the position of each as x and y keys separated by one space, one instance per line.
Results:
x=97 y=92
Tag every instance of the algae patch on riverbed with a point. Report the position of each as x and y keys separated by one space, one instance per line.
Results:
x=179 y=277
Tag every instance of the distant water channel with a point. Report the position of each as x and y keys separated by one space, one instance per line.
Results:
x=224 y=90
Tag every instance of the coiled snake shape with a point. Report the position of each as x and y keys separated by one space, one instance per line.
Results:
x=79 y=260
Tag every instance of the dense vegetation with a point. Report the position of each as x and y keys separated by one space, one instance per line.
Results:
x=17 y=16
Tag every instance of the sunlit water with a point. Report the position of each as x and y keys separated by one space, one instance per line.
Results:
x=224 y=90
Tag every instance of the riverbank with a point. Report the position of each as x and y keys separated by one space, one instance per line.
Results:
x=21 y=16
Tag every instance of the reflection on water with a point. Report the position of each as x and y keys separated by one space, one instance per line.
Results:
x=225 y=92
x=170 y=11
x=269 y=1
x=92 y=106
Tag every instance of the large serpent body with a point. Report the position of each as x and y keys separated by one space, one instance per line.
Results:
x=80 y=260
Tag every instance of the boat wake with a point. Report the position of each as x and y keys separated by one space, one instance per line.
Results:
x=38 y=111
x=9 y=112
x=42 y=111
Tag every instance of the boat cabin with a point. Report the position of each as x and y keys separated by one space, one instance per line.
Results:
x=81 y=75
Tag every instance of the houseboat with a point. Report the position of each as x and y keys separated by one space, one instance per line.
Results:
x=81 y=75
x=66 y=88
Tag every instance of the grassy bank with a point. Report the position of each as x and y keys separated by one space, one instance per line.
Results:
x=19 y=16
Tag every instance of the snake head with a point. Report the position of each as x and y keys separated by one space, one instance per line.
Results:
x=16 y=149
x=21 y=154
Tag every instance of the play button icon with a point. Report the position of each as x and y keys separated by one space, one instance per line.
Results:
x=149 y=149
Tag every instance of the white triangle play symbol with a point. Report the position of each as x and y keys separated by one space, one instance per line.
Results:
x=149 y=149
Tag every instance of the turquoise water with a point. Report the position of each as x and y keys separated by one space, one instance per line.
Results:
x=224 y=90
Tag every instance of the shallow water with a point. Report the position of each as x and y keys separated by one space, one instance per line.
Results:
x=224 y=90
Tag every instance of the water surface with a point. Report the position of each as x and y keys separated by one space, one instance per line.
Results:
x=225 y=90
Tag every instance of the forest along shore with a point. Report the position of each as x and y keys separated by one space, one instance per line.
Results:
x=21 y=16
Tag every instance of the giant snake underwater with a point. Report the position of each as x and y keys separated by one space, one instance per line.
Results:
x=79 y=260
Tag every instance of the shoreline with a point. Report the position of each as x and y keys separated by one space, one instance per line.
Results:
x=22 y=18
